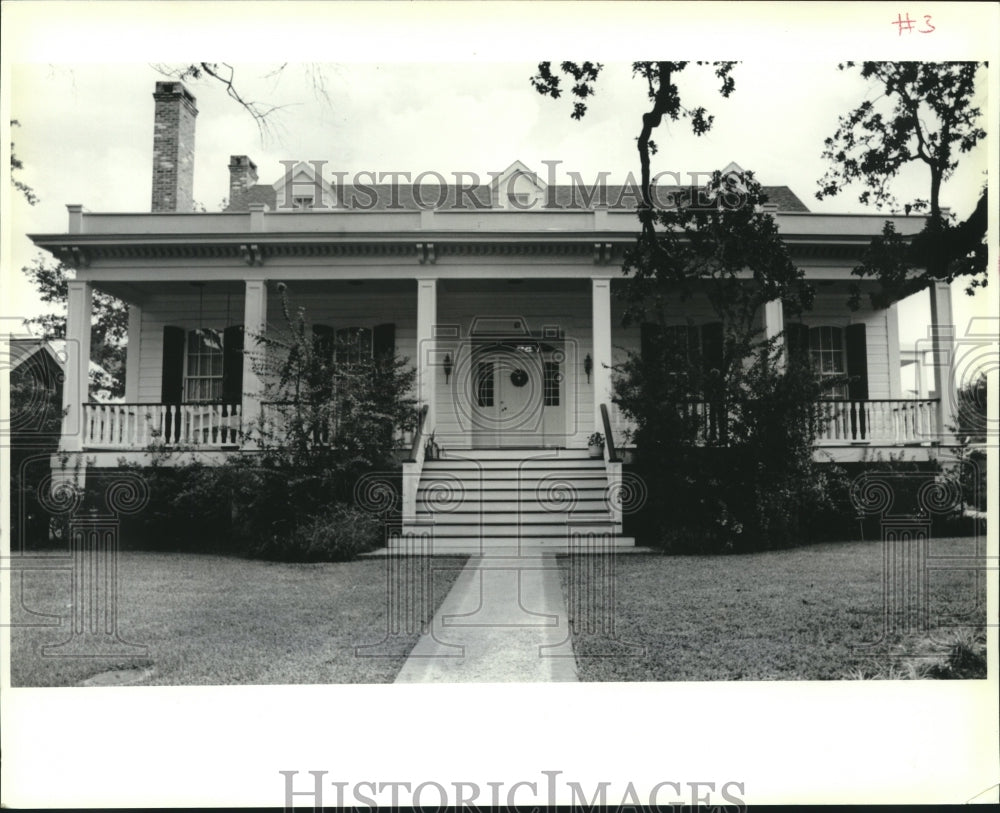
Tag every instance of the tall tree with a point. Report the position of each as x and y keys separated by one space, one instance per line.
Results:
x=660 y=80
x=720 y=384
x=724 y=419
x=924 y=115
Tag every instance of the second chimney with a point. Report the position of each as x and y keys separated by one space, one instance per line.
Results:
x=173 y=148
x=242 y=175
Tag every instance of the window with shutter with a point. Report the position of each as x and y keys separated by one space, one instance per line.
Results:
x=354 y=344
x=678 y=345
x=203 y=370
x=828 y=355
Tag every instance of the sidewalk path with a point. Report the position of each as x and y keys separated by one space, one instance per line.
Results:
x=504 y=621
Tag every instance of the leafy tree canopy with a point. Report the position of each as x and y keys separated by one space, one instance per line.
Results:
x=109 y=324
x=923 y=115
x=660 y=79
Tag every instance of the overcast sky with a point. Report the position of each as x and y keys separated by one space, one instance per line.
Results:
x=86 y=134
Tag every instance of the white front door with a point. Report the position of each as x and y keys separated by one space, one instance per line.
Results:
x=518 y=396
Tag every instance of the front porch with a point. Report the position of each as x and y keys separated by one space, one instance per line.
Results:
x=518 y=362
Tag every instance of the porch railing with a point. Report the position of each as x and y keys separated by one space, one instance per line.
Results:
x=885 y=421
x=417 y=441
x=611 y=444
x=135 y=426
x=891 y=420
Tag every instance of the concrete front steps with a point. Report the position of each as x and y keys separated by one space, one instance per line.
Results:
x=514 y=500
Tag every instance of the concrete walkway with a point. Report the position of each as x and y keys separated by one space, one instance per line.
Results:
x=503 y=621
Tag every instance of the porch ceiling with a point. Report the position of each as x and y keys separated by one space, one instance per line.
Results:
x=522 y=285
x=138 y=291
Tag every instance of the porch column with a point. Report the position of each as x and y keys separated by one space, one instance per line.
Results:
x=426 y=361
x=601 y=339
x=133 y=353
x=895 y=359
x=254 y=325
x=943 y=351
x=774 y=323
x=75 y=382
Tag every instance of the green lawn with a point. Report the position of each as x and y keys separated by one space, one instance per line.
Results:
x=796 y=614
x=219 y=620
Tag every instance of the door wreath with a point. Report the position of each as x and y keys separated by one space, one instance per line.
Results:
x=518 y=377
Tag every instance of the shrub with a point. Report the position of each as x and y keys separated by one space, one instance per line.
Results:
x=189 y=507
x=337 y=534
x=249 y=506
x=736 y=473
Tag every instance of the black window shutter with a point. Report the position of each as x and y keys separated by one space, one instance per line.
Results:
x=232 y=365
x=797 y=341
x=384 y=340
x=712 y=346
x=172 y=375
x=650 y=338
x=857 y=362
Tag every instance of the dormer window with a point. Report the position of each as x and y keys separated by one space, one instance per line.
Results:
x=303 y=202
x=517 y=188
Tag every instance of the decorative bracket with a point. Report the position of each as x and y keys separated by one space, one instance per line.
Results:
x=251 y=254
x=74 y=256
x=426 y=253
x=602 y=253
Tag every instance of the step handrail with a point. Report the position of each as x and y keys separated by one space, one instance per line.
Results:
x=418 y=433
x=609 y=439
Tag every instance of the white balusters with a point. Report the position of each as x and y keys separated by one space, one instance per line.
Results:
x=885 y=421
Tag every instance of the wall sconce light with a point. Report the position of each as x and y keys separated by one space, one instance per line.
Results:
x=588 y=366
x=447 y=367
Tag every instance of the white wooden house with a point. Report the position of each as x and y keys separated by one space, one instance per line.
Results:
x=501 y=295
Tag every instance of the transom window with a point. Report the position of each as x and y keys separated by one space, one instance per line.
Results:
x=203 y=365
x=826 y=350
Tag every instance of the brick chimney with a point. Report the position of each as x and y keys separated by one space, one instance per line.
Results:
x=242 y=175
x=173 y=148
